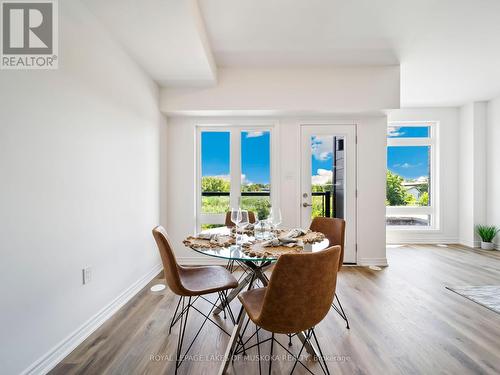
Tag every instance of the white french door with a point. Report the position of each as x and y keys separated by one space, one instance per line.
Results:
x=328 y=178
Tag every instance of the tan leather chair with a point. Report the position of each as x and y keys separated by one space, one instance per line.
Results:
x=189 y=282
x=298 y=297
x=334 y=231
x=230 y=224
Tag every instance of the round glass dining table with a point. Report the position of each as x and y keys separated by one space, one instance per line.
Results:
x=254 y=267
x=236 y=253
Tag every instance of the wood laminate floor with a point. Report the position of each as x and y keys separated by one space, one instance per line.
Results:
x=403 y=321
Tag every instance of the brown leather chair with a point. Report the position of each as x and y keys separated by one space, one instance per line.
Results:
x=298 y=297
x=189 y=282
x=230 y=224
x=334 y=231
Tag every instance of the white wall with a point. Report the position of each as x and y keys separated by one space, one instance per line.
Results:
x=472 y=178
x=181 y=200
x=493 y=165
x=465 y=182
x=79 y=166
x=291 y=91
x=449 y=124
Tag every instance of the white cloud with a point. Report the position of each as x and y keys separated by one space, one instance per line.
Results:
x=322 y=177
x=406 y=165
x=226 y=177
x=254 y=134
x=393 y=131
x=322 y=147
x=222 y=176
x=423 y=179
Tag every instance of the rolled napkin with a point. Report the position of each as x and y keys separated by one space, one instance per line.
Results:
x=247 y=228
x=293 y=233
x=214 y=238
x=206 y=236
x=288 y=242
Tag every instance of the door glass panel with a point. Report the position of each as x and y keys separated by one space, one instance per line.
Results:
x=215 y=177
x=327 y=176
x=256 y=172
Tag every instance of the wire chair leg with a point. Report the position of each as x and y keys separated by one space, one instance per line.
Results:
x=182 y=331
x=173 y=316
x=231 y=315
x=271 y=355
x=340 y=310
x=258 y=348
x=322 y=359
x=242 y=334
x=297 y=359
x=223 y=304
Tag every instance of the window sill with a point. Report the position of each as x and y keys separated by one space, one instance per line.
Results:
x=412 y=229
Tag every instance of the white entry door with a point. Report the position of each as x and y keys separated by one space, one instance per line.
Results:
x=328 y=178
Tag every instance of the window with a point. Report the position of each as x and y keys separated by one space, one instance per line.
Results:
x=215 y=181
x=234 y=169
x=411 y=195
x=256 y=172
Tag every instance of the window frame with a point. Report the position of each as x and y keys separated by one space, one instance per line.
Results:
x=235 y=130
x=433 y=210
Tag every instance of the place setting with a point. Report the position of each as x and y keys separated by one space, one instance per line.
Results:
x=259 y=239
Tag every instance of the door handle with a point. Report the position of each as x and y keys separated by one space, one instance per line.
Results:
x=305 y=204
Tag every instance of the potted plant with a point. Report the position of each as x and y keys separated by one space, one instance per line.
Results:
x=487 y=234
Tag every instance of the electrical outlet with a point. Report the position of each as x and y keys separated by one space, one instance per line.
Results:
x=87 y=275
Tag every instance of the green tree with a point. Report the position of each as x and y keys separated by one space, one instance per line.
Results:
x=260 y=205
x=424 y=199
x=255 y=187
x=210 y=183
x=317 y=201
x=396 y=194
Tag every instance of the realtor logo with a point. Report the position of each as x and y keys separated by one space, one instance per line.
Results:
x=29 y=34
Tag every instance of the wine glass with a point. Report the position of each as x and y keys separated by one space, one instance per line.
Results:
x=235 y=215
x=242 y=223
x=275 y=217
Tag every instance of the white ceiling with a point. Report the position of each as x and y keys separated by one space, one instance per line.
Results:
x=166 y=37
x=449 y=50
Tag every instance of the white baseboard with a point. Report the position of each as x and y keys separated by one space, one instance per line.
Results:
x=469 y=243
x=477 y=244
x=48 y=361
x=381 y=262
x=423 y=240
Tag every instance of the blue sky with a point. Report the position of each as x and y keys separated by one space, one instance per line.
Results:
x=255 y=161
x=410 y=162
x=215 y=153
x=256 y=157
x=408 y=131
x=321 y=153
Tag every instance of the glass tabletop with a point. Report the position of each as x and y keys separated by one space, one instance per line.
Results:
x=235 y=252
